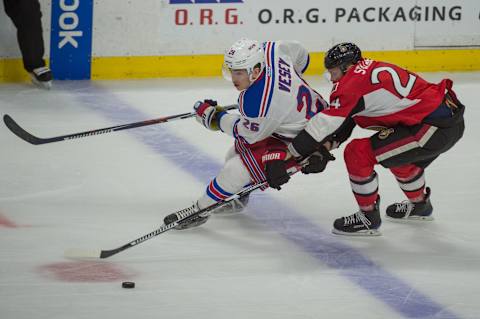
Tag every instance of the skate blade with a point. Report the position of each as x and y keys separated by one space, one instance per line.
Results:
x=43 y=85
x=361 y=233
x=410 y=219
x=226 y=211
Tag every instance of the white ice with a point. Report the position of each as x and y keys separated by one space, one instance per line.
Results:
x=278 y=259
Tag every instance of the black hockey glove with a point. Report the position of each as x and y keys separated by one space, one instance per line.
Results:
x=303 y=145
x=317 y=162
x=276 y=174
x=275 y=168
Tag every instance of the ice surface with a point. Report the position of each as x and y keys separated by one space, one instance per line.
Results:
x=276 y=260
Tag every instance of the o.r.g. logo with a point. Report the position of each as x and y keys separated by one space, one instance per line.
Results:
x=217 y=15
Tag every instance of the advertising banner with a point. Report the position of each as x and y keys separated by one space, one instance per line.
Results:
x=71 y=39
x=189 y=27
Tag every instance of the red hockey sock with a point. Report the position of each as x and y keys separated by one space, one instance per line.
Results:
x=360 y=161
x=411 y=180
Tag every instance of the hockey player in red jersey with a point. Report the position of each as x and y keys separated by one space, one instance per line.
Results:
x=416 y=122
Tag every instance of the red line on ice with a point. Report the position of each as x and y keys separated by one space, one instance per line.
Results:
x=86 y=271
x=5 y=222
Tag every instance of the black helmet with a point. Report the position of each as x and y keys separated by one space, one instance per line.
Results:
x=342 y=55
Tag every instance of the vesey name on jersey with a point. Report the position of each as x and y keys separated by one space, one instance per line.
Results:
x=284 y=75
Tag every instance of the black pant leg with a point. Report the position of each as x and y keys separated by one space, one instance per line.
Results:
x=404 y=145
x=26 y=17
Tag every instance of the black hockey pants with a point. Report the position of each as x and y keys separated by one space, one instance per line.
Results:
x=26 y=17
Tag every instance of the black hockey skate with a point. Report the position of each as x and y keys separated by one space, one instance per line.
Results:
x=359 y=224
x=407 y=210
x=42 y=77
x=235 y=206
x=192 y=222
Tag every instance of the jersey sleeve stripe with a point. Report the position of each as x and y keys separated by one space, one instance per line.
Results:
x=219 y=189
x=219 y=120
x=215 y=192
x=213 y=195
x=240 y=102
x=249 y=160
x=272 y=79
x=269 y=79
x=235 y=129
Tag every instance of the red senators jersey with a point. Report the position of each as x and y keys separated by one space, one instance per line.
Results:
x=376 y=94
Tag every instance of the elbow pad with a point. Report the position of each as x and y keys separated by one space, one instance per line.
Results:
x=303 y=145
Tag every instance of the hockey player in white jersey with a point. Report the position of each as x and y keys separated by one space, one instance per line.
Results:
x=275 y=104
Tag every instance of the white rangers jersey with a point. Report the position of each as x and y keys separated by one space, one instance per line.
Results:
x=279 y=102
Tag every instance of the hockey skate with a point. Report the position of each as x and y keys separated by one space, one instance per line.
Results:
x=235 y=206
x=42 y=77
x=407 y=210
x=359 y=224
x=193 y=222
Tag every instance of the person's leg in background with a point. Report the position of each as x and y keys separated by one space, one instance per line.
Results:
x=26 y=16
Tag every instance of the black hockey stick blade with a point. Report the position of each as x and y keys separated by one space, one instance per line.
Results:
x=76 y=253
x=24 y=135
x=102 y=254
x=20 y=132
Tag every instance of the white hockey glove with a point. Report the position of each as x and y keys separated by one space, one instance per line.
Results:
x=207 y=113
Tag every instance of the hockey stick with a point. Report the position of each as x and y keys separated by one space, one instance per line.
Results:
x=186 y=215
x=24 y=135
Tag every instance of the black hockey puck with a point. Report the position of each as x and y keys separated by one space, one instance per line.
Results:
x=128 y=284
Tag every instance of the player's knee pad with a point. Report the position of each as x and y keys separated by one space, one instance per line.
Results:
x=231 y=153
x=231 y=179
x=359 y=157
x=233 y=176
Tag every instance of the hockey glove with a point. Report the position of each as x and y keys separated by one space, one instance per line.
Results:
x=317 y=162
x=275 y=168
x=303 y=145
x=207 y=113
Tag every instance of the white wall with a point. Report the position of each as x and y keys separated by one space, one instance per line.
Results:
x=147 y=27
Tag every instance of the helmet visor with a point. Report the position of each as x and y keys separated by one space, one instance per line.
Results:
x=226 y=72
